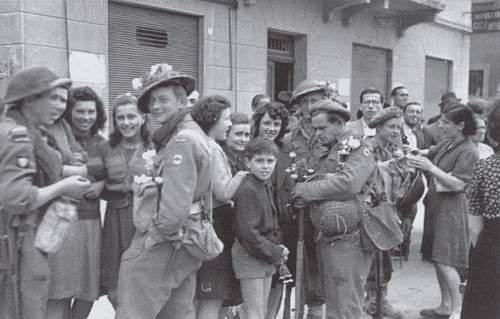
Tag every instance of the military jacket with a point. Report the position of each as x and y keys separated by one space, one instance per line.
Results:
x=186 y=167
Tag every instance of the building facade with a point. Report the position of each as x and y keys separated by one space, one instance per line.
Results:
x=245 y=47
x=485 y=45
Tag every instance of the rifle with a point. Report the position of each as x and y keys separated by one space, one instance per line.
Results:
x=298 y=173
x=379 y=279
x=8 y=235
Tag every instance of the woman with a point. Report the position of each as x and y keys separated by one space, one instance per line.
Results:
x=216 y=282
x=129 y=137
x=445 y=239
x=270 y=121
x=237 y=139
x=86 y=115
x=483 y=288
x=483 y=149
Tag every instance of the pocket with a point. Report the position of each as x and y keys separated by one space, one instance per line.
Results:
x=131 y=253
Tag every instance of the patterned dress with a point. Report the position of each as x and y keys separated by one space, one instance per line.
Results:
x=482 y=294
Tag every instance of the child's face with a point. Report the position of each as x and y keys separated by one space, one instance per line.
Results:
x=261 y=165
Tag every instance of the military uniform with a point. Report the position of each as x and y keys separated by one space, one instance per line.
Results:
x=18 y=193
x=344 y=263
x=153 y=274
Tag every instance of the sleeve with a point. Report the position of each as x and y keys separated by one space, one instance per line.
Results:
x=248 y=219
x=343 y=184
x=180 y=174
x=17 y=170
x=473 y=190
x=224 y=189
x=95 y=163
x=464 y=164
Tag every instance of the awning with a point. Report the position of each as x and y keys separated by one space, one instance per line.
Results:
x=406 y=12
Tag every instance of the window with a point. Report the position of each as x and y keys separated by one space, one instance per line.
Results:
x=150 y=37
x=476 y=80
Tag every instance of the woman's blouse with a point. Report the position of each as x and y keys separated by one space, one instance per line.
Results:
x=484 y=188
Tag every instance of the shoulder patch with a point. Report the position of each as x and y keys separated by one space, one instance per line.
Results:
x=19 y=134
x=22 y=162
x=177 y=159
x=366 y=152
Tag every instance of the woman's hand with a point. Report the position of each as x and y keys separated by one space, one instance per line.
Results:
x=420 y=162
x=286 y=252
x=95 y=190
x=74 y=186
x=241 y=174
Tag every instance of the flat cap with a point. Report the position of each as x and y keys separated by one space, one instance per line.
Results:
x=308 y=86
x=331 y=106
x=385 y=115
x=32 y=81
x=448 y=98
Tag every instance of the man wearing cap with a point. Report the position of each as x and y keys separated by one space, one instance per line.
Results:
x=157 y=274
x=371 y=103
x=431 y=131
x=344 y=263
x=386 y=146
x=308 y=150
x=31 y=177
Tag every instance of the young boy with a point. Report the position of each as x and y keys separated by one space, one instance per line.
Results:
x=257 y=249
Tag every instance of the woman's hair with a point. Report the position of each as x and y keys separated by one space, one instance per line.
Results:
x=116 y=136
x=256 y=99
x=276 y=110
x=493 y=122
x=461 y=113
x=239 y=118
x=83 y=94
x=207 y=111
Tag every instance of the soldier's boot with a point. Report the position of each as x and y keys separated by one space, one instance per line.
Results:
x=388 y=311
x=315 y=312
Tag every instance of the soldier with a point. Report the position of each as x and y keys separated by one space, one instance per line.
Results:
x=31 y=177
x=341 y=255
x=308 y=150
x=156 y=272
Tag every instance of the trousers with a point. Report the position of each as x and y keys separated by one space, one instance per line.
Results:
x=148 y=290
x=345 y=267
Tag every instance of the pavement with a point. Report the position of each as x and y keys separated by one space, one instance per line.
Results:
x=413 y=286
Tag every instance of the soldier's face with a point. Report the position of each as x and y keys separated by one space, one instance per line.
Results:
x=269 y=128
x=371 y=104
x=83 y=116
x=309 y=99
x=163 y=103
x=325 y=131
x=46 y=108
x=390 y=131
x=413 y=114
x=128 y=120
x=238 y=137
x=261 y=165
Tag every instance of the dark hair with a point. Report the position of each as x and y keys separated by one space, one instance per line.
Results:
x=494 y=121
x=462 y=113
x=256 y=99
x=260 y=145
x=394 y=91
x=409 y=104
x=85 y=93
x=371 y=91
x=276 y=110
x=116 y=136
x=477 y=107
x=239 y=118
x=207 y=111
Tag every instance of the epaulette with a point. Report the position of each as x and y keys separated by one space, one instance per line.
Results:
x=18 y=134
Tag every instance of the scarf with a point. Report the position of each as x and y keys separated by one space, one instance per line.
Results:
x=48 y=161
x=165 y=132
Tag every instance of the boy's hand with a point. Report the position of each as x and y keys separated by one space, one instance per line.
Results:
x=286 y=252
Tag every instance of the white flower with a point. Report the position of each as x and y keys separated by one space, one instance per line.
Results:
x=353 y=143
x=160 y=68
x=137 y=83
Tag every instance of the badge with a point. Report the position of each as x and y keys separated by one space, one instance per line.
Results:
x=22 y=162
x=366 y=152
x=177 y=159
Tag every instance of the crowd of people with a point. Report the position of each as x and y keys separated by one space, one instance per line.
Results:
x=210 y=214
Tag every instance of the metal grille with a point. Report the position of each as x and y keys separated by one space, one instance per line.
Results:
x=280 y=45
x=140 y=37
